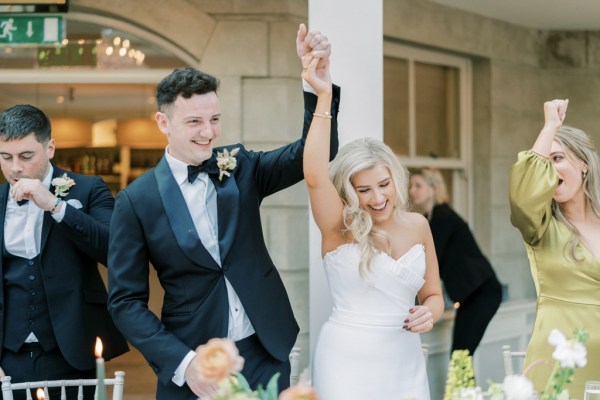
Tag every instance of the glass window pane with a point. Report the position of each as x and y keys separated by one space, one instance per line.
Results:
x=437 y=110
x=395 y=104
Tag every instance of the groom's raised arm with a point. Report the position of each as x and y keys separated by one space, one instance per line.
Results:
x=280 y=168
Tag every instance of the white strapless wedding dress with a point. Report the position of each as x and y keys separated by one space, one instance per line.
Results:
x=362 y=351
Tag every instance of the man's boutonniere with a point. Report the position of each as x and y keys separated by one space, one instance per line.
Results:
x=226 y=161
x=62 y=185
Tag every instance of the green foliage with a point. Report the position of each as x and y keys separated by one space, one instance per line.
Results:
x=560 y=375
x=460 y=373
x=237 y=388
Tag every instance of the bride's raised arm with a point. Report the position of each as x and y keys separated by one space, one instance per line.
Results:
x=324 y=199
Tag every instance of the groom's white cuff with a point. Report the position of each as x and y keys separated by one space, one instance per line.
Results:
x=58 y=217
x=179 y=376
x=307 y=88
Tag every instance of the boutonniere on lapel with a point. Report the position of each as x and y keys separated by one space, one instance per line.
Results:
x=226 y=161
x=62 y=185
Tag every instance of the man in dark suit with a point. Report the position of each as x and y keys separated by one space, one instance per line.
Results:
x=201 y=231
x=53 y=299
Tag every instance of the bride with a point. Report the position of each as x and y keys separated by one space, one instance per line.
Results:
x=377 y=258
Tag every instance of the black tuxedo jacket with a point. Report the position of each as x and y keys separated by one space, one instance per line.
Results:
x=69 y=257
x=463 y=267
x=151 y=223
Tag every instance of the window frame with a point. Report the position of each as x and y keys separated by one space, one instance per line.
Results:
x=462 y=187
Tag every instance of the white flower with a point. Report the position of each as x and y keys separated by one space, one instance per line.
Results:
x=517 y=387
x=472 y=393
x=564 y=395
x=226 y=161
x=570 y=353
x=62 y=185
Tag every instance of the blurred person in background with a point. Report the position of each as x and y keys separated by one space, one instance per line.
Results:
x=467 y=274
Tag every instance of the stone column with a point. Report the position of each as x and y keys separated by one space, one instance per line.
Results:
x=355 y=30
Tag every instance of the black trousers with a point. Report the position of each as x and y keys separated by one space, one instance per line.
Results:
x=474 y=315
x=31 y=363
x=260 y=366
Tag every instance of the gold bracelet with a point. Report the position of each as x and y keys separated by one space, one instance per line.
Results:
x=326 y=115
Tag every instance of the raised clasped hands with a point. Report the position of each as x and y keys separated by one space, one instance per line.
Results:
x=314 y=47
x=314 y=50
x=555 y=112
x=315 y=43
x=318 y=78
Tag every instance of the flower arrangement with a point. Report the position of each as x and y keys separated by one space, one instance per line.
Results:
x=219 y=362
x=62 y=185
x=218 y=359
x=460 y=374
x=226 y=161
x=568 y=353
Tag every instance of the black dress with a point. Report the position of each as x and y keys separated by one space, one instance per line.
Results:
x=467 y=275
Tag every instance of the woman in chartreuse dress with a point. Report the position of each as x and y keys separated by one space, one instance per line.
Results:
x=555 y=203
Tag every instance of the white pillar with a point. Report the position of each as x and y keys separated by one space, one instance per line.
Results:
x=355 y=30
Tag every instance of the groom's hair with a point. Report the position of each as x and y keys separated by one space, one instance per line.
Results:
x=184 y=82
x=22 y=120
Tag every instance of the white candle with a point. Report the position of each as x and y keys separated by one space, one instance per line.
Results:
x=100 y=370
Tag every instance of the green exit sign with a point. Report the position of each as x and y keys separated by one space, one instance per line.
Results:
x=31 y=29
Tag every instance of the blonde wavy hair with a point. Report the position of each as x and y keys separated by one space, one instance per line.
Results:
x=360 y=155
x=579 y=145
x=434 y=178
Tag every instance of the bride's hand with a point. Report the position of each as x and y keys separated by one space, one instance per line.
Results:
x=419 y=320
x=317 y=77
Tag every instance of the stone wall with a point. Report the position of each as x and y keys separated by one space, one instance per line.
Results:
x=515 y=69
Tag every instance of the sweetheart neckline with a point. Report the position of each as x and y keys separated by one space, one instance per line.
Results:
x=410 y=250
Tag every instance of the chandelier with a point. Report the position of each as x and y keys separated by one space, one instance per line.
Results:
x=116 y=52
x=111 y=51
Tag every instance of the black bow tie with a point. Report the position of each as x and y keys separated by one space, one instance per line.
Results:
x=209 y=166
x=21 y=202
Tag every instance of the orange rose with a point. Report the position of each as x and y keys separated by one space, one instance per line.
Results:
x=301 y=391
x=218 y=359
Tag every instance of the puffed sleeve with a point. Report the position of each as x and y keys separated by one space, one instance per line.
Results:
x=533 y=181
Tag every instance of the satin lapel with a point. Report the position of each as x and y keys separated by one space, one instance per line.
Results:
x=3 y=199
x=48 y=221
x=179 y=217
x=228 y=201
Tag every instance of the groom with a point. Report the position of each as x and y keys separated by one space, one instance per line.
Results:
x=198 y=223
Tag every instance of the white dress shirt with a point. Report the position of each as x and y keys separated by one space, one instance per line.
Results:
x=201 y=199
